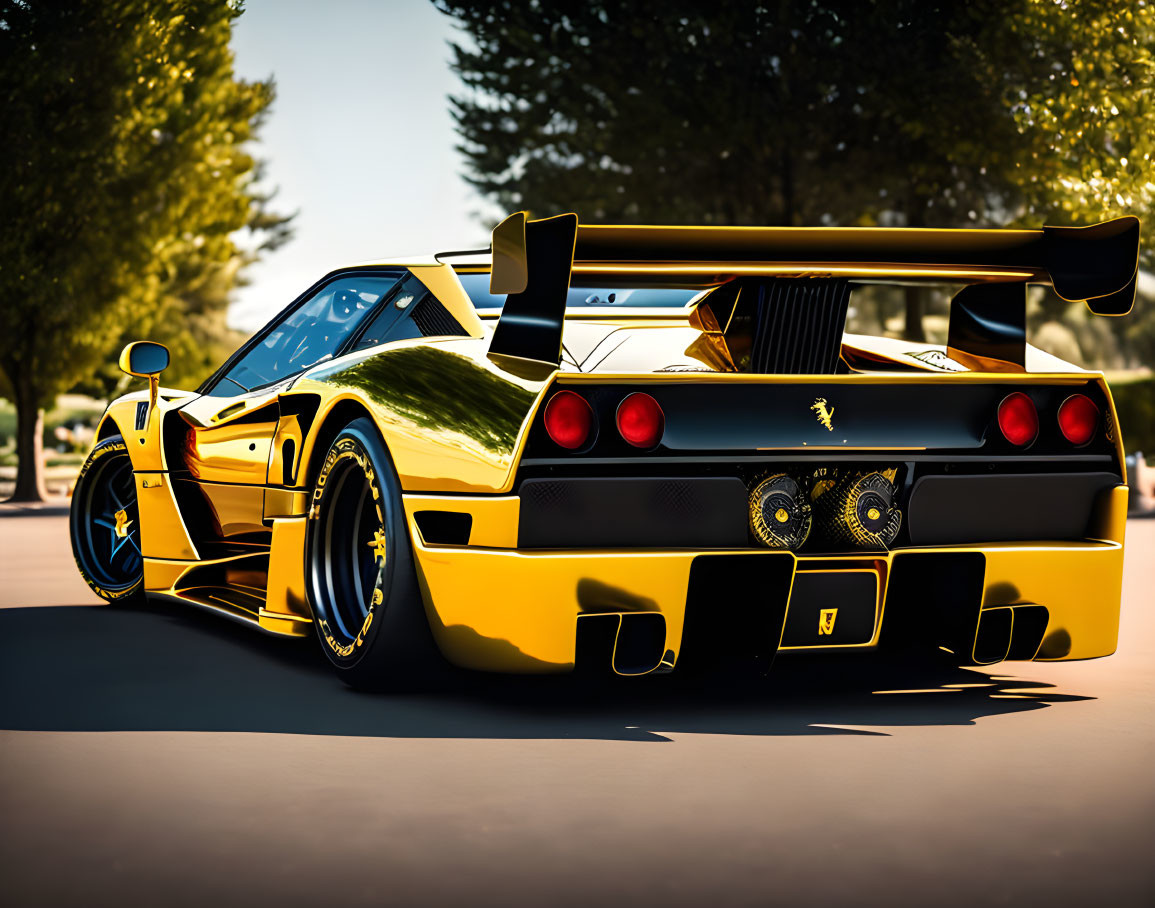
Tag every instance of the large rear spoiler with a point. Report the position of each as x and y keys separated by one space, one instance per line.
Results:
x=533 y=262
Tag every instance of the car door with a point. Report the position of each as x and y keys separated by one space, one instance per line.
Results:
x=232 y=428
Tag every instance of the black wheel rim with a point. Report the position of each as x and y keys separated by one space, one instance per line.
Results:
x=108 y=531
x=349 y=556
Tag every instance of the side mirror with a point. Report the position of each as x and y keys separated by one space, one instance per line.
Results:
x=144 y=359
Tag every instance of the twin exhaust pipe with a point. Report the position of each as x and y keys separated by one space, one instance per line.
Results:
x=852 y=509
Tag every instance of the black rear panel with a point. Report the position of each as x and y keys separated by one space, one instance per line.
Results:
x=798 y=327
x=945 y=510
x=702 y=512
x=956 y=479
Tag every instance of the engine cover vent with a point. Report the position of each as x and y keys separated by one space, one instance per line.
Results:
x=798 y=326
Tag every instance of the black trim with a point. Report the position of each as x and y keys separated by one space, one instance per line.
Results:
x=1030 y=625
x=932 y=601
x=444 y=527
x=818 y=457
x=735 y=609
x=531 y=322
x=740 y=419
x=853 y=594
x=798 y=326
x=434 y=320
x=992 y=636
x=990 y=321
x=616 y=512
x=641 y=643
x=982 y=509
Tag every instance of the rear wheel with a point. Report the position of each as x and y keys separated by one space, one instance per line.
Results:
x=105 y=524
x=361 y=580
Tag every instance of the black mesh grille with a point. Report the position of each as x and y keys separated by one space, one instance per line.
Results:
x=798 y=326
x=433 y=319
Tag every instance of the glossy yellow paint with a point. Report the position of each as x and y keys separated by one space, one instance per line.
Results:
x=466 y=440
x=455 y=445
x=162 y=530
x=1079 y=584
x=236 y=509
x=286 y=609
x=516 y=611
x=510 y=611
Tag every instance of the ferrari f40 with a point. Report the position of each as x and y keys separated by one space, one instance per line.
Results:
x=636 y=450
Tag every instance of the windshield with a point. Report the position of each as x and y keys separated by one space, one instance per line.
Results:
x=476 y=284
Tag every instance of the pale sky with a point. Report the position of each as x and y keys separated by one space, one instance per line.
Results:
x=359 y=139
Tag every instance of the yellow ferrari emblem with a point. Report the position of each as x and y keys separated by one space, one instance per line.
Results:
x=122 y=523
x=826 y=621
x=824 y=412
x=378 y=545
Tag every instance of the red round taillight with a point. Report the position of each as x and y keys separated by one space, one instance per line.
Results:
x=568 y=419
x=1018 y=419
x=1078 y=419
x=640 y=420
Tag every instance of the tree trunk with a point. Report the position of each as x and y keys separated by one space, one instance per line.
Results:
x=912 y=329
x=29 y=443
x=788 y=201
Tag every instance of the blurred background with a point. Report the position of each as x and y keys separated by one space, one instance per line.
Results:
x=180 y=170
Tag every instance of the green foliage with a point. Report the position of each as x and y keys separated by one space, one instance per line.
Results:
x=994 y=112
x=124 y=177
x=1135 y=404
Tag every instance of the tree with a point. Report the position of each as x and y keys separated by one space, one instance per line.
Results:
x=893 y=111
x=124 y=178
x=1080 y=83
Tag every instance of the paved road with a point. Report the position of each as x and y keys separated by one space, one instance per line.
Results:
x=165 y=758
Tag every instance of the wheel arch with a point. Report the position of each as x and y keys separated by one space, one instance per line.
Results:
x=339 y=415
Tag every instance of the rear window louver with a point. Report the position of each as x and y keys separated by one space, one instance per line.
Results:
x=798 y=326
x=433 y=319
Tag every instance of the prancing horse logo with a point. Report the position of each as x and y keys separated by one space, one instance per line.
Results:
x=122 y=524
x=826 y=621
x=825 y=414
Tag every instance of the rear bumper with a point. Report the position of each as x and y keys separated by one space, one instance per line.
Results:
x=510 y=610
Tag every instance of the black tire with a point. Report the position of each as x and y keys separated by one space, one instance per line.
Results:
x=359 y=571
x=104 y=525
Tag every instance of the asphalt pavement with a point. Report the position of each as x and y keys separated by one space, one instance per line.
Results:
x=165 y=757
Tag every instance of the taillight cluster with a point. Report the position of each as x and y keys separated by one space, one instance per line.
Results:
x=570 y=422
x=1078 y=418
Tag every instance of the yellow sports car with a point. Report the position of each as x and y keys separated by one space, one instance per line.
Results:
x=637 y=449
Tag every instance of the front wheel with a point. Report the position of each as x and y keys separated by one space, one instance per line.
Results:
x=361 y=580
x=105 y=524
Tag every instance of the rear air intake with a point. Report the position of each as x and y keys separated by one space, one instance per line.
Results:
x=798 y=327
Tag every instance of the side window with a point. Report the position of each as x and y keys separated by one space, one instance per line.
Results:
x=314 y=331
x=412 y=312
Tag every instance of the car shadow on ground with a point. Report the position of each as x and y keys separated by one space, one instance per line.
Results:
x=96 y=668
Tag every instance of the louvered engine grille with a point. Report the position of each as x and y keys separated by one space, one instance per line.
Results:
x=798 y=326
x=433 y=319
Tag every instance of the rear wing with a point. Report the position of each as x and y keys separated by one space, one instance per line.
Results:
x=533 y=261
